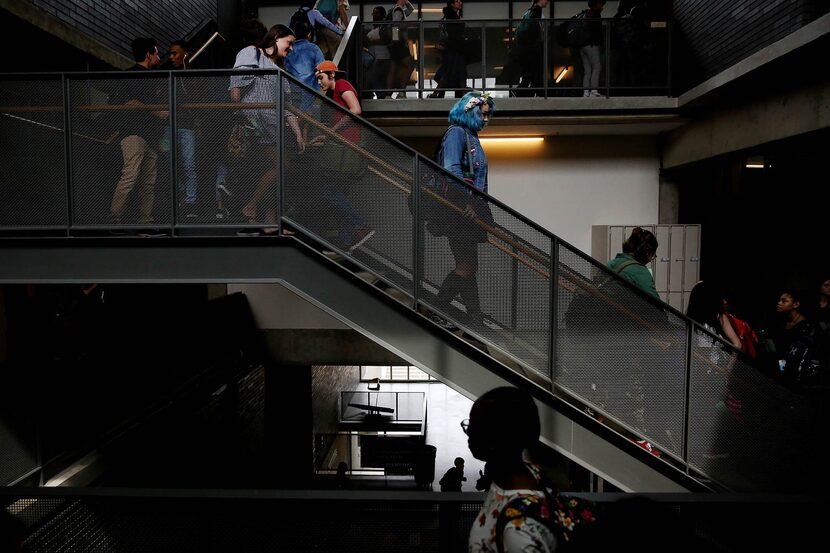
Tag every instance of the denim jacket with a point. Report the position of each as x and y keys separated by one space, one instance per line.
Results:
x=302 y=62
x=452 y=155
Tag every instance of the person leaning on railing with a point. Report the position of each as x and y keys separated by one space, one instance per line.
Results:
x=141 y=130
x=269 y=54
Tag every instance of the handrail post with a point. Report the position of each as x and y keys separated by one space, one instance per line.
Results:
x=280 y=151
x=545 y=60
x=684 y=453
x=483 y=56
x=420 y=50
x=417 y=230
x=514 y=290
x=174 y=143
x=67 y=152
x=608 y=58
x=554 y=308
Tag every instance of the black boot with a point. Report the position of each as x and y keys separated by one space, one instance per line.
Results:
x=450 y=288
x=469 y=293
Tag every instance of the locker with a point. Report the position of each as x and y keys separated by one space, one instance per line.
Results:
x=692 y=256
x=676 y=300
x=676 y=267
x=676 y=242
x=662 y=259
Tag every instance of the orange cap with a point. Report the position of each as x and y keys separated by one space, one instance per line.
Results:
x=327 y=66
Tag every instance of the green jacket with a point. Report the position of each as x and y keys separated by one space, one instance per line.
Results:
x=635 y=273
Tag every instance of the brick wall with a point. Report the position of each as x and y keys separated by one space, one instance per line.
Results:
x=115 y=23
x=716 y=34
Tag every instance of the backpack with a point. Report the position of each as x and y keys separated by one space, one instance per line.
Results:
x=301 y=16
x=525 y=29
x=439 y=189
x=588 y=311
x=568 y=518
x=749 y=340
x=574 y=32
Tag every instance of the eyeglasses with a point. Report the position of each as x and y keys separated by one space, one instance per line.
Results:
x=465 y=426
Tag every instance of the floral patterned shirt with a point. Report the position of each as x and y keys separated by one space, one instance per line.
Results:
x=520 y=535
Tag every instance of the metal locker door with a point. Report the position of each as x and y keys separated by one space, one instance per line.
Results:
x=677 y=260
x=662 y=259
x=691 y=253
x=616 y=237
x=676 y=300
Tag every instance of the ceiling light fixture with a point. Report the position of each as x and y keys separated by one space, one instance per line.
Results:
x=561 y=74
x=512 y=139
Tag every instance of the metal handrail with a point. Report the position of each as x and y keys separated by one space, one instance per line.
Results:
x=544 y=264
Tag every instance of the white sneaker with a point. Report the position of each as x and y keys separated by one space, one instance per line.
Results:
x=596 y=94
x=586 y=93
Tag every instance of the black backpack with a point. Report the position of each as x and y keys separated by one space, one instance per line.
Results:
x=574 y=32
x=301 y=16
x=440 y=189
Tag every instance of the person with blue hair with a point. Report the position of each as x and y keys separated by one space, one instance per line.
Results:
x=462 y=155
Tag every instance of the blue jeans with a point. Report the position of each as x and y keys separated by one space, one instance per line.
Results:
x=187 y=155
x=350 y=219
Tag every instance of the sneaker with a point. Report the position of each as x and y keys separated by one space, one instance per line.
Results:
x=586 y=93
x=191 y=215
x=596 y=94
x=645 y=444
x=442 y=322
x=151 y=233
x=359 y=237
x=222 y=214
x=223 y=189
x=248 y=232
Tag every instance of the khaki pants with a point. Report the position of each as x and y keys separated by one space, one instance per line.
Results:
x=139 y=166
x=328 y=42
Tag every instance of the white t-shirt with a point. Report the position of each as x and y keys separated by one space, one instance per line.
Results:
x=520 y=535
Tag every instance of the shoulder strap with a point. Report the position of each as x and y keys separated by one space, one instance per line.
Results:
x=627 y=263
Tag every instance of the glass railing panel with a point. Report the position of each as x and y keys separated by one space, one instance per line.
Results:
x=747 y=431
x=127 y=180
x=505 y=300
x=376 y=74
x=350 y=187
x=622 y=354
x=33 y=165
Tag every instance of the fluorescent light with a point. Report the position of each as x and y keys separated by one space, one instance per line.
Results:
x=513 y=139
x=561 y=74
x=755 y=162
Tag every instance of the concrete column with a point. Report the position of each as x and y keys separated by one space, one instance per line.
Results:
x=668 y=208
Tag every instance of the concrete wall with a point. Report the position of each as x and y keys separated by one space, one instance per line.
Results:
x=719 y=33
x=115 y=23
x=570 y=183
x=276 y=307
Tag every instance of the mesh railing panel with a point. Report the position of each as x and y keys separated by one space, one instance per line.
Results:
x=32 y=167
x=149 y=524
x=621 y=353
x=214 y=180
x=747 y=431
x=511 y=283
x=343 y=194
x=126 y=180
x=18 y=447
